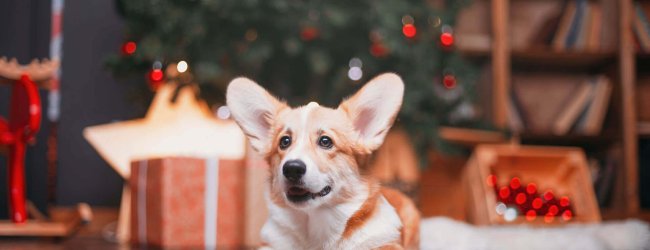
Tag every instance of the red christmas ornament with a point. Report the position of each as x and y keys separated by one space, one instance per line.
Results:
x=553 y=210
x=309 y=33
x=567 y=215
x=537 y=203
x=378 y=50
x=564 y=201
x=504 y=192
x=446 y=39
x=520 y=198
x=531 y=188
x=515 y=183
x=531 y=215
x=449 y=81
x=491 y=180
x=549 y=218
x=129 y=48
x=409 y=30
x=548 y=195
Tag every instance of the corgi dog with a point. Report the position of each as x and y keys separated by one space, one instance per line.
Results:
x=318 y=199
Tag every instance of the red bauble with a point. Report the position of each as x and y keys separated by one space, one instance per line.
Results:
x=449 y=81
x=309 y=33
x=446 y=39
x=491 y=180
x=378 y=50
x=409 y=30
x=548 y=195
x=520 y=198
x=531 y=188
x=531 y=215
x=515 y=183
x=128 y=48
x=504 y=192
x=537 y=203
x=564 y=201
x=567 y=215
x=553 y=210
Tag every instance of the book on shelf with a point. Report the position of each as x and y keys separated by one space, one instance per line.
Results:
x=576 y=104
x=573 y=108
x=582 y=25
x=591 y=122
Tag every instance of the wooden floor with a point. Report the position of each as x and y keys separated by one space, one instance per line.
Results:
x=89 y=236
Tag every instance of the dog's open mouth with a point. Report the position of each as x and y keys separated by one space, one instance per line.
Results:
x=298 y=194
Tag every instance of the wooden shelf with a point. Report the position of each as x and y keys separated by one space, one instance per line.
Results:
x=550 y=57
x=573 y=59
x=643 y=129
x=567 y=140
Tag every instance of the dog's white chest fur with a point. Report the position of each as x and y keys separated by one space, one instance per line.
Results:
x=322 y=228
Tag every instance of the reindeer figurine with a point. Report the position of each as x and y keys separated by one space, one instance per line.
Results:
x=23 y=123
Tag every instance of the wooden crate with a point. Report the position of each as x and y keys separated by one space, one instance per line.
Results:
x=561 y=169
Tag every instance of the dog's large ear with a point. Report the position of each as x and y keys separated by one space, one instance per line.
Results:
x=254 y=109
x=374 y=107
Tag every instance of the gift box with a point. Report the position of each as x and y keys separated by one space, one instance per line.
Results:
x=513 y=184
x=180 y=202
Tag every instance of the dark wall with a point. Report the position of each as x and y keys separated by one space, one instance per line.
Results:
x=89 y=95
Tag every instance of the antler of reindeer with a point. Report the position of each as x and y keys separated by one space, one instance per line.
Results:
x=38 y=71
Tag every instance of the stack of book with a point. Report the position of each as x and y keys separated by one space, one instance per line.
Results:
x=578 y=25
x=569 y=105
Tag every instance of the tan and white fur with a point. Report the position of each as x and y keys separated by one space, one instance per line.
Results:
x=318 y=199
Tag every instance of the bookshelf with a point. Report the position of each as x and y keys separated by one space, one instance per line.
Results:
x=619 y=64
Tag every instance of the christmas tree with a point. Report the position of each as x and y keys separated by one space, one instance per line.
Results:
x=307 y=51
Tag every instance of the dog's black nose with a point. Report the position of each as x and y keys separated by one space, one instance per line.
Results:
x=293 y=170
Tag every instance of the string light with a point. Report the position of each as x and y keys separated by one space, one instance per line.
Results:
x=129 y=48
x=223 y=112
x=156 y=75
x=409 y=30
x=355 y=62
x=182 y=66
x=355 y=73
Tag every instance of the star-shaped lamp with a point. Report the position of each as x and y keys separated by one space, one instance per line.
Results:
x=185 y=127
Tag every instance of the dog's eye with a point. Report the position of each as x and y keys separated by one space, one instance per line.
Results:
x=285 y=142
x=325 y=142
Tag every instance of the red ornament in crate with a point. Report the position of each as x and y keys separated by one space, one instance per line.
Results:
x=529 y=202
x=552 y=186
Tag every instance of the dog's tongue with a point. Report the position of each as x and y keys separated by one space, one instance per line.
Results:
x=297 y=191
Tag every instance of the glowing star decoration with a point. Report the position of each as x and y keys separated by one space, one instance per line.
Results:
x=184 y=128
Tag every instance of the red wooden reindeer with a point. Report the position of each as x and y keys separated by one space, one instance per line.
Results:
x=23 y=123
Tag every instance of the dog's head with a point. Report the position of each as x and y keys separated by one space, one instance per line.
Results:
x=313 y=151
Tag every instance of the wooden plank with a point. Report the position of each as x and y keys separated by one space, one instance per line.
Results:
x=630 y=196
x=470 y=137
x=500 y=61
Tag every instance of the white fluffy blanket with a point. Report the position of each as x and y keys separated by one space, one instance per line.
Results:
x=445 y=233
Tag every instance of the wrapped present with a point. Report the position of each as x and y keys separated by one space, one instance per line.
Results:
x=180 y=202
x=257 y=175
